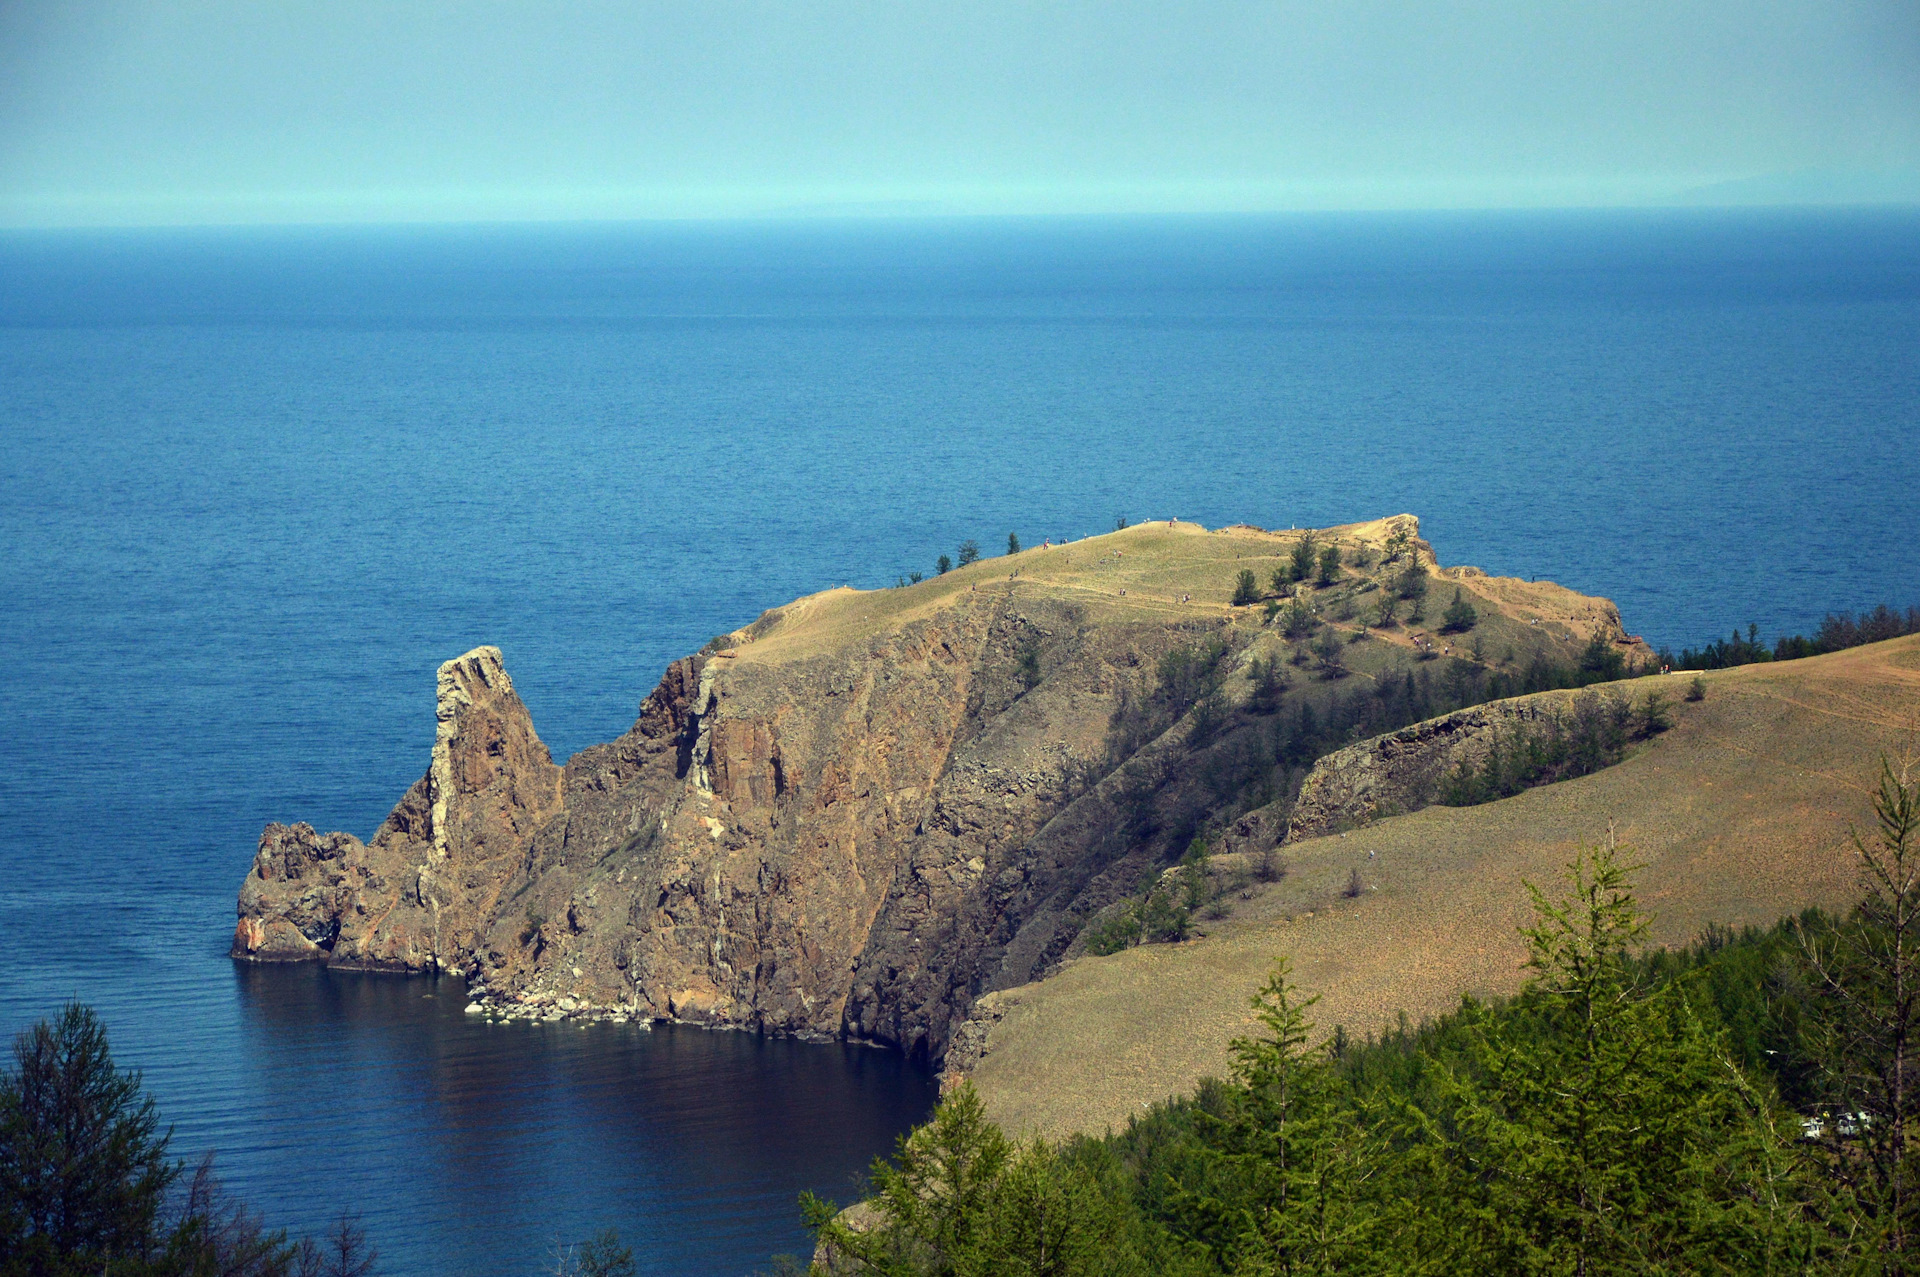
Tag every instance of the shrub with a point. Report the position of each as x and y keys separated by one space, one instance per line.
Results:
x=944 y=566
x=914 y=578
x=1013 y=543
x=1245 y=589
x=1329 y=566
x=1120 y=523
x=1356 y=885
x=1269 y=867
x=1697 y=690
x=969 y=552
x=1120 y=930
x=1193 y=874
x=1328 y=648
x=1209 y=716
x=1163 y=919
x=1029 y=665
x=1189 y=674
x=1460 y=615
x=1269 y=685
x=1272 y=610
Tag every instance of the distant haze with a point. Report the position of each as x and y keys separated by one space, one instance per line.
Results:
x=142 y=112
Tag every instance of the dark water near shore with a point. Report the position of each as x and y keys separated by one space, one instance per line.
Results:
x=254 y=486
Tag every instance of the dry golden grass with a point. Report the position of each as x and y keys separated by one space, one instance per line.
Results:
x=1739 y=815
x=1168 y=570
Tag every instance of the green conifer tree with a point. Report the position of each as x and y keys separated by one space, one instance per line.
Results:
x=1304 y=555
x=1603 y=1129
x=1287 y=1194
x=1460 y=614
x=1329 y=566
x=1867 y=1037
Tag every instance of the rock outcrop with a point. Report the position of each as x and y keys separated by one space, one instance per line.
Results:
x=1402 y=771
x=418 y=895
x=867 y=811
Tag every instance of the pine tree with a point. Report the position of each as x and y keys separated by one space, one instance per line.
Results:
x=83 y=1161
x=1460 y=615
x=1245 y=589
x=934 y=1200
x=1287 y=1197
x=1329 y=566
x=1603 y=1129
x=1303 y=558
x=1867 y=1039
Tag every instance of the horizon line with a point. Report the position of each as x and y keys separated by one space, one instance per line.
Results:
x=869 y=214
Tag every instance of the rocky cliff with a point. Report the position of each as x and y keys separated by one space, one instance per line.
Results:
x=858 y=814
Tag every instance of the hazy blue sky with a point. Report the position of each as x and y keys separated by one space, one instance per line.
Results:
x=146 y=111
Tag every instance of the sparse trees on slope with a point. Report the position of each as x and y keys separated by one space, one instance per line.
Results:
x=969 y=552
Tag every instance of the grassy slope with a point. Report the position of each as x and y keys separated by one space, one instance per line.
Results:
x=1156 y=564
x=1739 y=815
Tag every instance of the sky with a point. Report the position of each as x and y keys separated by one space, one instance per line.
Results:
x=143 y=112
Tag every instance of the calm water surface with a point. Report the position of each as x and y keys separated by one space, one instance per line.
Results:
x=254 y=486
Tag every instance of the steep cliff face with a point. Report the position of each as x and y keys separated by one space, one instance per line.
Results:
x=417 y=895
x=869 y=810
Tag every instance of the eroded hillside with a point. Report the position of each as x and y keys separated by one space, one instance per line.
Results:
x=864 y=810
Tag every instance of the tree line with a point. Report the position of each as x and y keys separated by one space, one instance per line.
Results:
x=1837 y=632
x=1743 y=1105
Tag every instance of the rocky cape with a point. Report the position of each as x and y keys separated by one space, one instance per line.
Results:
x=864 y=811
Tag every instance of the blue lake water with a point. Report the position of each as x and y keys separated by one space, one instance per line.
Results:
x=256 y=485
